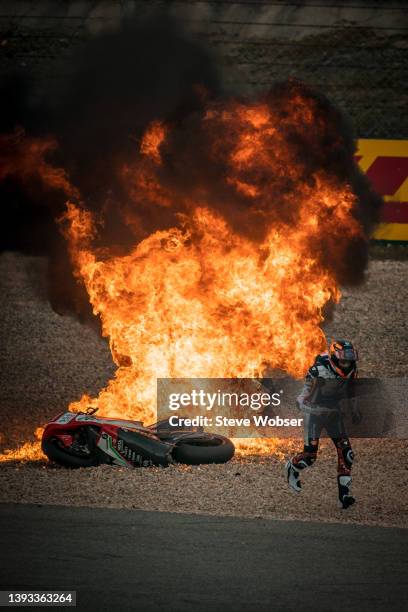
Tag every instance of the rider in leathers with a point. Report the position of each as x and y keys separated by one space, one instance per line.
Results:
x=328 y=382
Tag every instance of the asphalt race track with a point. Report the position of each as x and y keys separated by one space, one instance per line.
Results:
x=133 y=560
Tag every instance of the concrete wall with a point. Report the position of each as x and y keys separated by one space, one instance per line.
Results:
x=298 y=19
x=354 y=51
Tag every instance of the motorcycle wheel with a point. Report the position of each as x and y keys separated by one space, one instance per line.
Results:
x=209 y=449
x=67 y=457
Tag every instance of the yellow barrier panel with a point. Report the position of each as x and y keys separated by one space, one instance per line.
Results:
x=386 y=164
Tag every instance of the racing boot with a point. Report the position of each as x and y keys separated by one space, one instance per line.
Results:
x=292 y=476
x=345 y=497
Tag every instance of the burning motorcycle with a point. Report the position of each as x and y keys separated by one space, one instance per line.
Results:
x=81 y=439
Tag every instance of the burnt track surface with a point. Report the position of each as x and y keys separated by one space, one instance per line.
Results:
x=132 y=560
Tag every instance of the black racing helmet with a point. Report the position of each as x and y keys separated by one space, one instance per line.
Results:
x=343 y=350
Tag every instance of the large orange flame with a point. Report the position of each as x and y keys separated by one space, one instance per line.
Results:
x=203 y=299
x=237 y=280
x=24 y=157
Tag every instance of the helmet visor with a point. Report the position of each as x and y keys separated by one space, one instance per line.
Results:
x=347 y=354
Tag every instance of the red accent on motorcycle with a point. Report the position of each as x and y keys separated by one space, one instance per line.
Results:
x=66 y=439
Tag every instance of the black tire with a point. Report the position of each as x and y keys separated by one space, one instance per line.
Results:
x=54 y=451
x=210 y=449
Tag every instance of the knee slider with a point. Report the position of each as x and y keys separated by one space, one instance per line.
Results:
x=348 y=457
x=345 y=452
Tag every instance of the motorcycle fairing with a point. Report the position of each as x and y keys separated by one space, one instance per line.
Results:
x=65 y=418
x=118 y=422
x=142 y=449
x=105 y=444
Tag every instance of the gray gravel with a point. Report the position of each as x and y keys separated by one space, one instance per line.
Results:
x=47 y=360
x=250 y=487
x=374 y=315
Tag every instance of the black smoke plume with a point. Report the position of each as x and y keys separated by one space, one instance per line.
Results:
x=121 y=81
x=116 y=83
